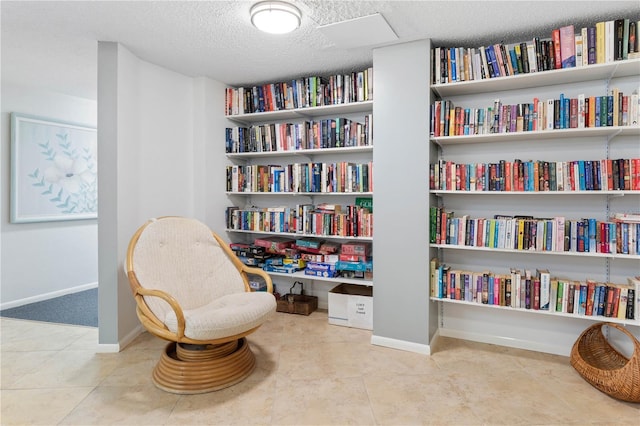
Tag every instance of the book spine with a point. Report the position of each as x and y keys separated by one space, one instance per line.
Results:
x=556 y=52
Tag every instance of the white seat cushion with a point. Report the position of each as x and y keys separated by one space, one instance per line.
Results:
x=226 y=316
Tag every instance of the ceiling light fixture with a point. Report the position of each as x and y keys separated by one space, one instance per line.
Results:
x=275 y=17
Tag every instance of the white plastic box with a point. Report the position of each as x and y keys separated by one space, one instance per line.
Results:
x=351 y=305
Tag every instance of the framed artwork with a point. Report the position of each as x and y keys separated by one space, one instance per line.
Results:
x=54 y=170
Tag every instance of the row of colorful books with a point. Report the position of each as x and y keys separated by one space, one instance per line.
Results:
x=316 y=257
x=301 y=93
x=537 y=290
x=307 y=219
x=615 y=109
x=606 y=41
x=301 y=177
x=619 y=235
x=537 y=175
x=329 y=133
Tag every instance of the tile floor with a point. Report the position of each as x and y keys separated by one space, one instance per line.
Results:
x=308 y=373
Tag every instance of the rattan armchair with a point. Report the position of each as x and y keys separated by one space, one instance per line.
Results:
x=191 y=290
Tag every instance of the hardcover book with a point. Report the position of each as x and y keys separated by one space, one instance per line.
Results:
x=567 y=47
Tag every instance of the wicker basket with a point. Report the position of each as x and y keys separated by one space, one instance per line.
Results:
x=297 y=303
x=605 y=368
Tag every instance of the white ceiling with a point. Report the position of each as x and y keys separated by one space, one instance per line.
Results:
x=53 y=44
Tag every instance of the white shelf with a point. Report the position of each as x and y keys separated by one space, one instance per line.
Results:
x=319 y=111
x=300 y=275
x=302 y=152
x=540 y=312
x=545 y=78
x=340 y=110
x=588 y=132
x=294 y=235
x=536 y=252
x=619 y=193
x=308 y=194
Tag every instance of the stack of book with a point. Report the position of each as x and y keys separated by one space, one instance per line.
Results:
x=525 y=289
x=328 y=133
x=537 y=175
x=612 y=109
x=618 y=235
x=301 y=93
x=565 y=47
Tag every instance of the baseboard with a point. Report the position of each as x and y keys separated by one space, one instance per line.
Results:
x=506 y=341
x=401 y=345
x=47 y=296
x=117 y=347
x=107 y=348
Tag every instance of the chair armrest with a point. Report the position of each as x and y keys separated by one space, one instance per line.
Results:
x=242 y=268
x=171 y=301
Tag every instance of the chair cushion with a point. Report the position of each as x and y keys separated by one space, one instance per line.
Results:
x=226 y=316
x=181 y=257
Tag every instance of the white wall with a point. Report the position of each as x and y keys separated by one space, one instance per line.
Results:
x=401 y=269
x=152 y=159
x=210 y=167
x=43 y=260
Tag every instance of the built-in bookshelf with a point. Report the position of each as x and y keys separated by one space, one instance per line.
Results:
x=531 y=171
x=300 y=170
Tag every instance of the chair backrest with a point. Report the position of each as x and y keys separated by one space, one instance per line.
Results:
x=181 y=257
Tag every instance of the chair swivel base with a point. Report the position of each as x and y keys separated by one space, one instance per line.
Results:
x=184 y=370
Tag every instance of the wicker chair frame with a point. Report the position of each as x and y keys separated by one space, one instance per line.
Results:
x=191 y=366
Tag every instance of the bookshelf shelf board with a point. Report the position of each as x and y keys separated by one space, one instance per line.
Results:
x=540 y=312
x=605 y=71
x=294 y=235
x=301 y=275
x=586 y=132
x=302 y=152
x=302 y=113
x=307 y=194
x=527 y=252
x=536 y=193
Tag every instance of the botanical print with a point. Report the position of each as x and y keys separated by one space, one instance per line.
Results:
x=54 y=170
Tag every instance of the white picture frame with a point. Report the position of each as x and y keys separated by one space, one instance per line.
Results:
x=54 y=170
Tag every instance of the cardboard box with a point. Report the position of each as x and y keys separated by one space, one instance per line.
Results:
x=354 y=266
x=363 y=249
x=351 y=305
x=260 y=285
x=324 y=274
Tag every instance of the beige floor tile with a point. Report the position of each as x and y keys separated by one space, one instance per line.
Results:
x=472 y=356
x=123 y=405
x=26 y=336
x=40 y=406
x=85 y=342
x=267 y=360
x=419 y=400
x=515 y=399
x=307 y=372
x=134 y=368
x=315 y=328
x=322 y=360
x=248 y=403
x=384 y=361
x=147 y=342
x=329 y=401
x=69 y=369
x=589 y=405
x=15 y=365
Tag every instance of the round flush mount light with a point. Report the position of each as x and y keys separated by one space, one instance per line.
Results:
x=275 y=17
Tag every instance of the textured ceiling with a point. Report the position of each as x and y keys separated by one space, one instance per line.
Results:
x=53 y=44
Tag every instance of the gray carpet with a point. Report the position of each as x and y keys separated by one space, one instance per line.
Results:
x=76 y=309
